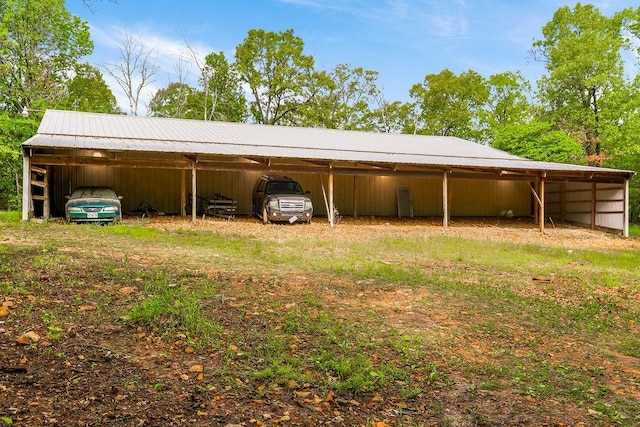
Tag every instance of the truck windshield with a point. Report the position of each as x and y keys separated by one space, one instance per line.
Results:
x=283 y=187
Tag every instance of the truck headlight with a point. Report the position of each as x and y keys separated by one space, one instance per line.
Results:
x=308 y=205
x=273 y=203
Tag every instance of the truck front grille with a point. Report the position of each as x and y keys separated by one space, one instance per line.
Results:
x=292 y=205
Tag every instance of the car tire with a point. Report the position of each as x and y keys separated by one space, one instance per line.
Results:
x=265 y=217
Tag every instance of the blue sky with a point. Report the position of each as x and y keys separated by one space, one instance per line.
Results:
x=403 y=40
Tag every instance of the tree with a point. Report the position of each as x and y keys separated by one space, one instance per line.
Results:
x=13 y=132
x=507 y=103
x=223 y=95
x=177 y=100
x=40 y=44
x=276 y=71
x=582 y=49
x=342 y=99
x=450 y=105
x=87 y=91
x=538 y=141
x=135 y=71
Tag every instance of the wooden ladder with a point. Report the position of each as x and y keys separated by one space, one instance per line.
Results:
x=40 y=191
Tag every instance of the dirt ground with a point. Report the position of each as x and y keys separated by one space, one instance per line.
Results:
x=88 y=368
x=516 y=230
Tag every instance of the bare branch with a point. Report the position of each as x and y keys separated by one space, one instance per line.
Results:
x=135 y=71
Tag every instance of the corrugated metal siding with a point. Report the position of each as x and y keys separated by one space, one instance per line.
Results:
x=68 y=129
x=489 y=197
x=609 y=206
x=376 y=196
x=576 y=201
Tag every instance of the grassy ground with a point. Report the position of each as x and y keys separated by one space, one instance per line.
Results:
x=274 y=325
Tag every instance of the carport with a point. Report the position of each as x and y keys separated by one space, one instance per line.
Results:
x=175 y=160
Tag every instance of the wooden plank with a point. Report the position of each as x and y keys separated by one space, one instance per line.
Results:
x=41 y=184
x=445 y=200
x=38 y=170
x=593 y=206
x=331 y=201
x=542 y=215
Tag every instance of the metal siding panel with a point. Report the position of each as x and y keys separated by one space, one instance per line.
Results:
x=488 y=197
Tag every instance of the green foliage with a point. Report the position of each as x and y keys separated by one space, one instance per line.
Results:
x=223 y=94
x=450 y=104
x=356 y=373
x=341 y=99
x=276 y=70
x=178 y=100
x=582 y=50
x=13 y=132
x=538 y=141
x=221 y=97
x=169 y=307
x=40 y=43
x=508 y=102
x=10 y=216
x=87 y=91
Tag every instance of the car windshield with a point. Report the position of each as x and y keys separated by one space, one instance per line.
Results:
x=283 y=187
x=94 y=192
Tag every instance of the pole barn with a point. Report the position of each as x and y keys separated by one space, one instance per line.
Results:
x=150 y=160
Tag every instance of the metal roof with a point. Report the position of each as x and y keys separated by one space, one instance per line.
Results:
x=119 y=133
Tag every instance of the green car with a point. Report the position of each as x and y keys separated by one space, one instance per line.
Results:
x=93 y=204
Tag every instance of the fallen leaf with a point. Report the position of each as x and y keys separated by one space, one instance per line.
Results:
x=196 y=368
x=3 y=311
x=188 y=349
x=28 y=338
x=303 y=394
x=128 y=290
x=87 y=307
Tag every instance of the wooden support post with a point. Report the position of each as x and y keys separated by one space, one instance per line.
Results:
x=193 y=192
x=183 y=193
x=541 y=199
x=539 y=196
x=445 y=200
x=535 y=188
x=625 y=215
x=594 y=194
x=26 y=186
x=331 y=205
